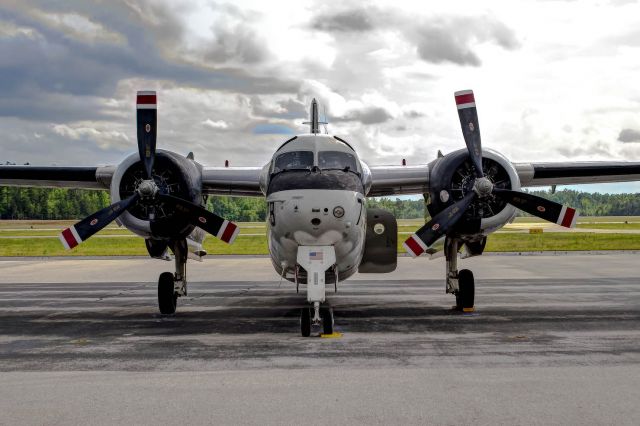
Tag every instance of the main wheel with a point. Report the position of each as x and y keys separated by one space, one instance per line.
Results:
x=305 y=322
x=327 y=320
x=466 y=293
x=167 y=298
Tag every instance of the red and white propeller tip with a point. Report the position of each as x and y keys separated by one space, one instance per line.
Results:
x=465 y=99
x=568 y=217
x=70 y=238
x=146 y=99
x=228 y=232
x=414 y=246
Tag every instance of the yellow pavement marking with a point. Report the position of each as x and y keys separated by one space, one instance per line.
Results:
x=334 y=335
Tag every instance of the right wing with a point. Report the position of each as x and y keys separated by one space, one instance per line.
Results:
x=581 y=172
x=399 y=180
x=408 y=180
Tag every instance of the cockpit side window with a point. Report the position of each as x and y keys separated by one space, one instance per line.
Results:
x=337 y=160
x=294 y=160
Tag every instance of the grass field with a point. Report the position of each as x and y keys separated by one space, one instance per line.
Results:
x=252 y=239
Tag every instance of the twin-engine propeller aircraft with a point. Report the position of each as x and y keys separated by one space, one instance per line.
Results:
x=319 y=229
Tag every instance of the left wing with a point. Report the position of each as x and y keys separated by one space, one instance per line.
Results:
x=57 y=176
x=236 y=181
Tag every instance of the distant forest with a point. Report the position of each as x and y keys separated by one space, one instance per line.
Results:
x=46 y=203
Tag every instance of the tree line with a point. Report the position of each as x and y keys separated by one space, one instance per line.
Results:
x=58 y=203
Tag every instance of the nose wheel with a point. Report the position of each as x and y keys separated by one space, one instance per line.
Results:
x=308 y=320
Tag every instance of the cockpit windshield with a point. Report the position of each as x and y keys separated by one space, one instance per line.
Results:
x=294 y=160
x=337 y=160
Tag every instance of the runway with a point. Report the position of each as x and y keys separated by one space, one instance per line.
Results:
x=554 y=340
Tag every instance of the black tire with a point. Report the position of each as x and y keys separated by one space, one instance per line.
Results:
x=466 y=295
x=167 y=298
x=327 y=320
x=305 y=322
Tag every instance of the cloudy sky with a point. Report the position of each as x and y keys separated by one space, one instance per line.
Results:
x=554 y=80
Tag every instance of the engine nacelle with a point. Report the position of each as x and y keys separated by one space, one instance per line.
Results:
x=175 y=175
x=452 y=177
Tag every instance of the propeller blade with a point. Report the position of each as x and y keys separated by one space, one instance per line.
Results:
x=147 y=119
x=88 y=226
x=431 y=231
x=540 y=207
x=204 y=219
x=466 y=103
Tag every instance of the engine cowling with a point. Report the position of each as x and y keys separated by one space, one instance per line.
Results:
x=175 y=175
x=452 y=177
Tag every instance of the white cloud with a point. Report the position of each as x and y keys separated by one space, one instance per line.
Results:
x=218 y=124
x=104 y=139
x=553 y=80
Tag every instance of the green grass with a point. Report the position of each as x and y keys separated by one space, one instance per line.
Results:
x=39 y=232
x=53 y=247
x=127 y=244
x=618 y=225
x=562 y=242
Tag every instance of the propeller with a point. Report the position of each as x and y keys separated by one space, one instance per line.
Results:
x=203 y=218
x=91 y=224
x=147 y=192
x=468 y=114
x=483 y=187
x=147 y=118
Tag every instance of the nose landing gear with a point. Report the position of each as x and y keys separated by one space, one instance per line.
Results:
x=324 y=319
x=316 y=260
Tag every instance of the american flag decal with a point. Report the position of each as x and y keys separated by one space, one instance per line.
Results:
x=315 y=255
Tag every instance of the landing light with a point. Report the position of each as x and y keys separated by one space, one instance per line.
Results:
x=338 y=212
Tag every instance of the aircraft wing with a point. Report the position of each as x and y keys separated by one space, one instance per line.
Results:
x=236 y=181
x=399 y=180
x=407 y=180
x=57 y=176
x=571 y=173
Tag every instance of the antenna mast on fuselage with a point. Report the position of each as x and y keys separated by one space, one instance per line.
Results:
x=315 y=121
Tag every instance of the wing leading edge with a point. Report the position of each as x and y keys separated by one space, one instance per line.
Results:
x=57 y=176
x=570 y=173
x=235 y=181
x=407 y=180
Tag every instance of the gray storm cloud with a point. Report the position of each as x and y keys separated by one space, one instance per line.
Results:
x=629 y=135
x=50 y=61
x=369 y=115
x=358 y=20
x=437 y=40
x=453 y=40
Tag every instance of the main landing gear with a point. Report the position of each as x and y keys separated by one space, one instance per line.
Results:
x=171 y=286
x=459 y=283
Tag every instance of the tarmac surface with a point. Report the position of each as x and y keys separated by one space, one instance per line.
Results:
x=555 y=339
